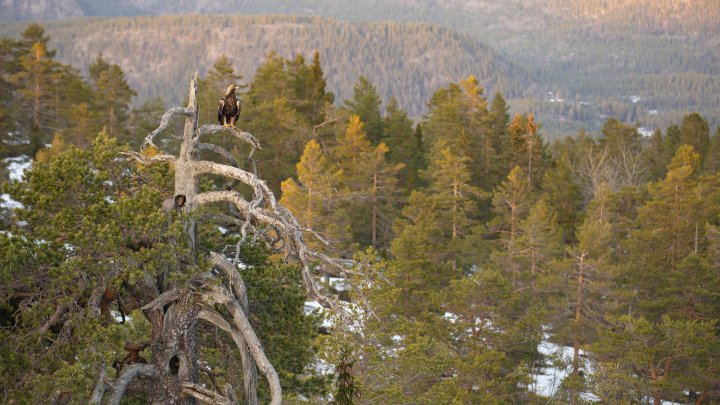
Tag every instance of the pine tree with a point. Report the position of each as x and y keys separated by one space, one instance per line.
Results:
x=112 y=96
x=58 y=145
x=271 y=81
x=421 y=254
x=497 y=123
x=35 y=34
x=271 y=108
x=640 y=360
x=450 y=184
x=37 y=77
x=711 y=164
x=9 y=66
x=370 y=183
x=579 y=287
x=365 y=103
x=672 y=221
x=383 y=194
x=527 y=147
x=354 y=156
x=672 y=141
x=100 y=245
x=313 y=198
x=445 y=119
x=539 y=243
x=351 y=153
x=480 y=325
x=403 y=144
x=511 y=202
x=654 y=156
x=563 y=197
x=695 y=132
x=458 y=115
x=319 y=96
x=624 y=153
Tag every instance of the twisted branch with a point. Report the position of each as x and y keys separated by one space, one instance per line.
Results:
x=164 y=123
x=122 y=383
x=99 y=390
x=219 y=295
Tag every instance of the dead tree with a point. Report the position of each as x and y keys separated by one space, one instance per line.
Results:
x=171 y=375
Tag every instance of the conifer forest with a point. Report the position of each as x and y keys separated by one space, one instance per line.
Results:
x=404 y=211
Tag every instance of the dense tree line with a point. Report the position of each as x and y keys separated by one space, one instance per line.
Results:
x=594 y=66
x=402 y=60
x=473 y=238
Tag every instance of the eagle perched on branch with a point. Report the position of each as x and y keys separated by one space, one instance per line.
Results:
x=229 y=107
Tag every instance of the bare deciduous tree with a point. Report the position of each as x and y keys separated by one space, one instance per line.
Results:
x=595 y=165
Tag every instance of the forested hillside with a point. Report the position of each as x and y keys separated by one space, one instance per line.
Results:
x=408 y=62
x=632 y=59
x=329 y=250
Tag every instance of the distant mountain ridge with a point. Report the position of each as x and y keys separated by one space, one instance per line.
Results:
x=158 y=54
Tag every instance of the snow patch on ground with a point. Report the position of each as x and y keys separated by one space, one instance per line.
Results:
x=547 y=381
x=17 y=166
x=8 y=203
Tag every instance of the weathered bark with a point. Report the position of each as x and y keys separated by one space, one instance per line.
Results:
x=99 y=390
x=130 y=373
x=248 y=362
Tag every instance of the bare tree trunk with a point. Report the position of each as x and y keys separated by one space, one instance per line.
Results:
x=578 y=314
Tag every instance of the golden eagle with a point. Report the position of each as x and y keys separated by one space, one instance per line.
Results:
x=229 y=107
